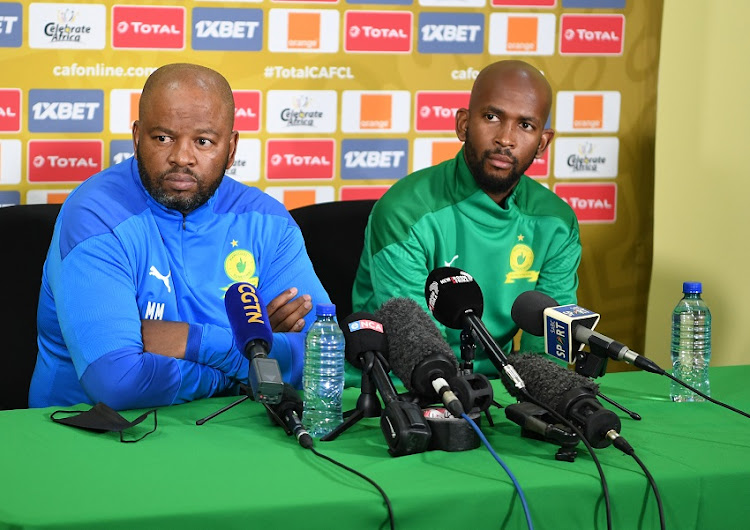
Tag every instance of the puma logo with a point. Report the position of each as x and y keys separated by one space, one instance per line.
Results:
x=154 y=272
x=449 y=263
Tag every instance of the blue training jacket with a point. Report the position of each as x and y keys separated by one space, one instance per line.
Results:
x=117 y=256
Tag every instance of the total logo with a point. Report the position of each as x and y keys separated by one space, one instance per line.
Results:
x=10 y=110
x=592 y=203
x=148 y=27
x=373 y=159
x=592 y=34
x=300 y=159
x=66 y=110
x=378 y=31
x=11 y=25
x=227 y=29
x=453 y=33
x=247 y=110
x=64 y=160
x=436 y=111
x=523 y=3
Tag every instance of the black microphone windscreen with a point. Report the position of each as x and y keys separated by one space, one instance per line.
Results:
x=450 y=292
x=528 y=311
x=363 y=332
x=412 y=337
x=546 y=380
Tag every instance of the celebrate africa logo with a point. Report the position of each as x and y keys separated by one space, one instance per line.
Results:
x=240 y=266
x=521 y=260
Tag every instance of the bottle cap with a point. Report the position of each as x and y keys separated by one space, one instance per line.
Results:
x=327 y=310
x=692 y=287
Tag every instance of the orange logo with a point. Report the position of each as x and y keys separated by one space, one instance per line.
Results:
x=375 y=111
x=297 y=198
x=588 y=111
x=303 y=30
x=442 y=151
x=135 y=98
x=522 y=34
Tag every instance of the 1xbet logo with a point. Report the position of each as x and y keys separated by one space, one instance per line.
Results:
x=11 y=25
x=451 y=33
x=66 y=110
x=227 y=29
x=374 y=159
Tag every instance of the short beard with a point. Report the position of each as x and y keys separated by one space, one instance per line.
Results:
x=176 y=201
x=487 y=183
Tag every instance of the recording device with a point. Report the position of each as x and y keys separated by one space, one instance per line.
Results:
x=252 y=333
x=418 y=354
x=287 y=413
x=567 y=328
x=537 y=423
x=404 y=427
x=456 y=301
x=570 y=394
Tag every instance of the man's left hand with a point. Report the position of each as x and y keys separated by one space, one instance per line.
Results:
x=287 y=313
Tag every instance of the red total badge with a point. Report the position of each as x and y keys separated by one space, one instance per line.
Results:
x=378 y=31
x=10 y=110
x=247 y=110
x=592 y=34
x=436 y=111
x=592 y=203
x=64 y=160
x=300 y=159
x=148 y=27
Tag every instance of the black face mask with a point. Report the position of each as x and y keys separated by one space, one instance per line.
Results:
x=101 y=418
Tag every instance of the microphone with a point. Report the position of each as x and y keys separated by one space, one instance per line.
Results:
x=567 y=328
x=252 y=333
x=287 y=414
x=365 y=343
x=418 y=354
x=456 y=301
x=570 y=394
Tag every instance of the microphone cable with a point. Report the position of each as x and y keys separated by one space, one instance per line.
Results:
x=559 y=417
x=363 y=476
x=620 y=443
x=504 y=466
x=704 y=396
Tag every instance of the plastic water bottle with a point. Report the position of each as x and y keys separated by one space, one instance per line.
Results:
x=323 y=375
x=691 y=344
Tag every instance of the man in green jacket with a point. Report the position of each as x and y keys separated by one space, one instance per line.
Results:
x=480 y=213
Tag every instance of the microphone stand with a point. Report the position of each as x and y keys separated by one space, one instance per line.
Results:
x=248 y=395
x=368 y=406
x=594 y=366
x=468 y=347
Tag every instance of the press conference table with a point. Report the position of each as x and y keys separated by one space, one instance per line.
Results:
x=240 y=471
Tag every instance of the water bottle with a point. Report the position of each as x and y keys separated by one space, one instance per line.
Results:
x=323 y=375
x=691 y=344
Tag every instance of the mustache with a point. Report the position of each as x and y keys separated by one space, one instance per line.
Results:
x=502 y=152
x=179 y=171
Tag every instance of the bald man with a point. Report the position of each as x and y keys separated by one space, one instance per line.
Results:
x=131 y=310
x=480 y=213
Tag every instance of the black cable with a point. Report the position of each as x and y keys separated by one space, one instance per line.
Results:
x=347 y=468
x=566 y=422
x=709 y=398
x=620 y=443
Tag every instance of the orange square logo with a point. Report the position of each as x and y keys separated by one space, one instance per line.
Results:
x=375 y=111
x=135 y=99
x=297 y=198
x=303 y=30
x=588 y=111
x=442 y=151
x=56 y=197
x=522 y=34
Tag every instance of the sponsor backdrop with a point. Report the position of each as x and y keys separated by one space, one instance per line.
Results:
x=337 y=99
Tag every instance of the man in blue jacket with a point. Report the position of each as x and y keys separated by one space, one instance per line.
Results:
x=131 y=309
